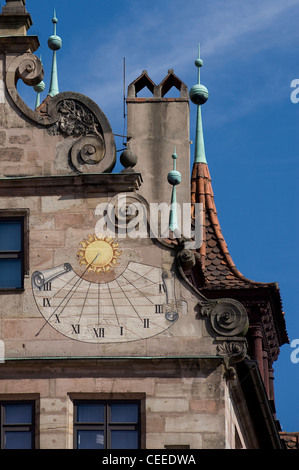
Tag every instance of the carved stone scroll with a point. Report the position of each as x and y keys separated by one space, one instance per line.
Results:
x=28 y=68
x=229 y=321
x=69 y=114
x=228 y=317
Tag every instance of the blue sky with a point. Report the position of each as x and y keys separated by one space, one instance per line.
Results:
x=251 y=126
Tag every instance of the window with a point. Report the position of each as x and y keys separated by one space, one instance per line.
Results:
x=12 y=257
x=106 y=424
x=17 y=425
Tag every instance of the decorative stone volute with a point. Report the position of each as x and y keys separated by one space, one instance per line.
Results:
x=75 y=119
x=229 y=323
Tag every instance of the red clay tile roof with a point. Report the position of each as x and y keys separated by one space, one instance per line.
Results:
x=219 y=270
x=291 y=439
x=216 y=270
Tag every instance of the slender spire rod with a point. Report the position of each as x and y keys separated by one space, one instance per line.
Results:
x=39 y=88
x=174 y=178
x=199 y=95
x=54 y=43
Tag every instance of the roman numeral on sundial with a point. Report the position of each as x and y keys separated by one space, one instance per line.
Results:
x=99 y=332
x=76 y=329
x=46 y=302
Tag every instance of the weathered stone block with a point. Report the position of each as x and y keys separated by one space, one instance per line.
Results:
x=11 y=154
x=63 y=220
x=167 y=405
x=47 y=238
x=204 y=406
x=196 y=422
x=19 y=139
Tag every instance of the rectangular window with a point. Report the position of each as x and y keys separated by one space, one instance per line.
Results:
x=12 y=256
x=106 y=424
x=17 y=425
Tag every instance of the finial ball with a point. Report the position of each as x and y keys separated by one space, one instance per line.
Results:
x=128 y=158
x=39 y=88
x=174 y=177
x=54 y=42
x=199 y=94
x=198 y=62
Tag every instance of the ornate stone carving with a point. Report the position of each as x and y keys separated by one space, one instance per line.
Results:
x=79 y=117
x=69 y=114
x=87 y=152
x=236 y=349
x=186 y=259
x=232 y=351
x=28 y=68
x=228 y=318
x=125 y=207
x=74 y=120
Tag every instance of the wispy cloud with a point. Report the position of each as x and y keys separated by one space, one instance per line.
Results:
x=158 y=36
x=156 y=40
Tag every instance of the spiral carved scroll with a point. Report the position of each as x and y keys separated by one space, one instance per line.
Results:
x=87 y=153
x=124 y=210
x=69 y=114
x=28 y=68
x=228 y=317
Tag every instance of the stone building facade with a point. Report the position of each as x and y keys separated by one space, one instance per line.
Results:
x=122 y=341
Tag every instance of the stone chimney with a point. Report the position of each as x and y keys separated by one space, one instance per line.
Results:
x=156 y=125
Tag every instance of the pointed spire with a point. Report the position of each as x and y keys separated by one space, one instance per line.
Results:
x=199 y=95
x=54 y=43
x=174 y=177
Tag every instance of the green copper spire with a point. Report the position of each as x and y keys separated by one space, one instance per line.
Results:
x=39 y=88
x=174 y=177
x=199 y=95
x=54 y=43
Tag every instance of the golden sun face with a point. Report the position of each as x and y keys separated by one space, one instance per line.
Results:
x=99 y=254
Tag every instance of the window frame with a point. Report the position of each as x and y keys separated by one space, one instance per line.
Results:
x=17 y=427
x=21 y=216
x=107 y=425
